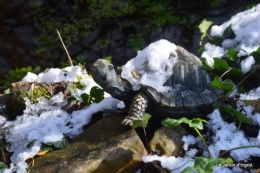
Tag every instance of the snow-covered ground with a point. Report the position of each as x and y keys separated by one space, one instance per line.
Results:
x=46 y=122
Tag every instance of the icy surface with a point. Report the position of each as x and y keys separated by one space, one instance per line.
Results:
x=154 y=65
x=246 y=26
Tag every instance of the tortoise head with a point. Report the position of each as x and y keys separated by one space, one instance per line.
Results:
x=104 y=74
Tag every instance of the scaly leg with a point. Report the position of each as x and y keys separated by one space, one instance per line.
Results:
x=137 y=109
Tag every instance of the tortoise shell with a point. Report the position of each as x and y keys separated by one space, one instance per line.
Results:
x=191 y=84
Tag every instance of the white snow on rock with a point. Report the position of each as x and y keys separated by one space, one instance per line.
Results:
x=45 y=121
x=154 y=64
x=246 y=26
x=30 y=77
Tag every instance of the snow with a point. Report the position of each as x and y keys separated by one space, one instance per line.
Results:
x=171 y=163
x=45 y=121
x=153 y=64
x=227 y=137
x=247 y=63
x=188 y=140
x=246 y=26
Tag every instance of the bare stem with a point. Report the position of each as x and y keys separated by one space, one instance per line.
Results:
x=69 y=58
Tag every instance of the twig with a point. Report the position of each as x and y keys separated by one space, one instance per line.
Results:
x=69 y=58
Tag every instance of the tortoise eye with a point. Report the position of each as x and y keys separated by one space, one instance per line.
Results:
x=111 y=67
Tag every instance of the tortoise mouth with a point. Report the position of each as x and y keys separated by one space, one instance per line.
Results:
x=97 y=75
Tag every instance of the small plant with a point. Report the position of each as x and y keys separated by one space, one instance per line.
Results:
x=195 y=123
x=143 y=124
x=240 y=117
x=17 y=75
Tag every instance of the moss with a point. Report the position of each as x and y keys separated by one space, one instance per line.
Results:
x=36 y=93
x=78 y=85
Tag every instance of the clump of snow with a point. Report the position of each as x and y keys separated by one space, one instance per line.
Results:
x=247 y=63
x=246 y=26
x=253 y=94
x=227 y=137
x=172 y=163
x=212 y=51
x=188 y=140
x=30 y=77
x=153 y=64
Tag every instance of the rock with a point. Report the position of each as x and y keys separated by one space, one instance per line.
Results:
x=15 y=103
x=105 y=147
x=168 y=141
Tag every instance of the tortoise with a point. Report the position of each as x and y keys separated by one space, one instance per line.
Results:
x=194 y=95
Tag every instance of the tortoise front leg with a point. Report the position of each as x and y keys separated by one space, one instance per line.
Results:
x=137 y=109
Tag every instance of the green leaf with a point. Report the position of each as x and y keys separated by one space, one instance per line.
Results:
x=142 y=123
x=60 y=144
x=240 y=117
x=96 y=94
x=229 y=33
x=204 y=26
x=108 y=58
x=206 y=165
x=7 y=91
x=220 y=65
x=74 y=95
x=217 y=82
x=232 y=54
x=85 y=97
x=3 y=166
x=205 y=64
x=194 y=123
x=228 y=84
x=217 y=40
x=235 y=73
x=30 y=143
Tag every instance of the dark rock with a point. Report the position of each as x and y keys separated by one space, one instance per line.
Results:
x=168 y=141
x=105 y=147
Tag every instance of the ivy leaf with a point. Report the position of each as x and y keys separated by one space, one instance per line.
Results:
x=204 y=26
x=30 y=143
x=232 y=54
x=206 y=65
x=229 y=33
x=96 y=94
x=57 y=145
x=3 y=166
x=206 y=165
x=228 y=86
x=142 y=123
x=194 y=123
x=235 y=73
x=220 y=65
x=240 y=117
x=217 y=40
x=85 y=97
x=217 y=82
x=60 y=144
